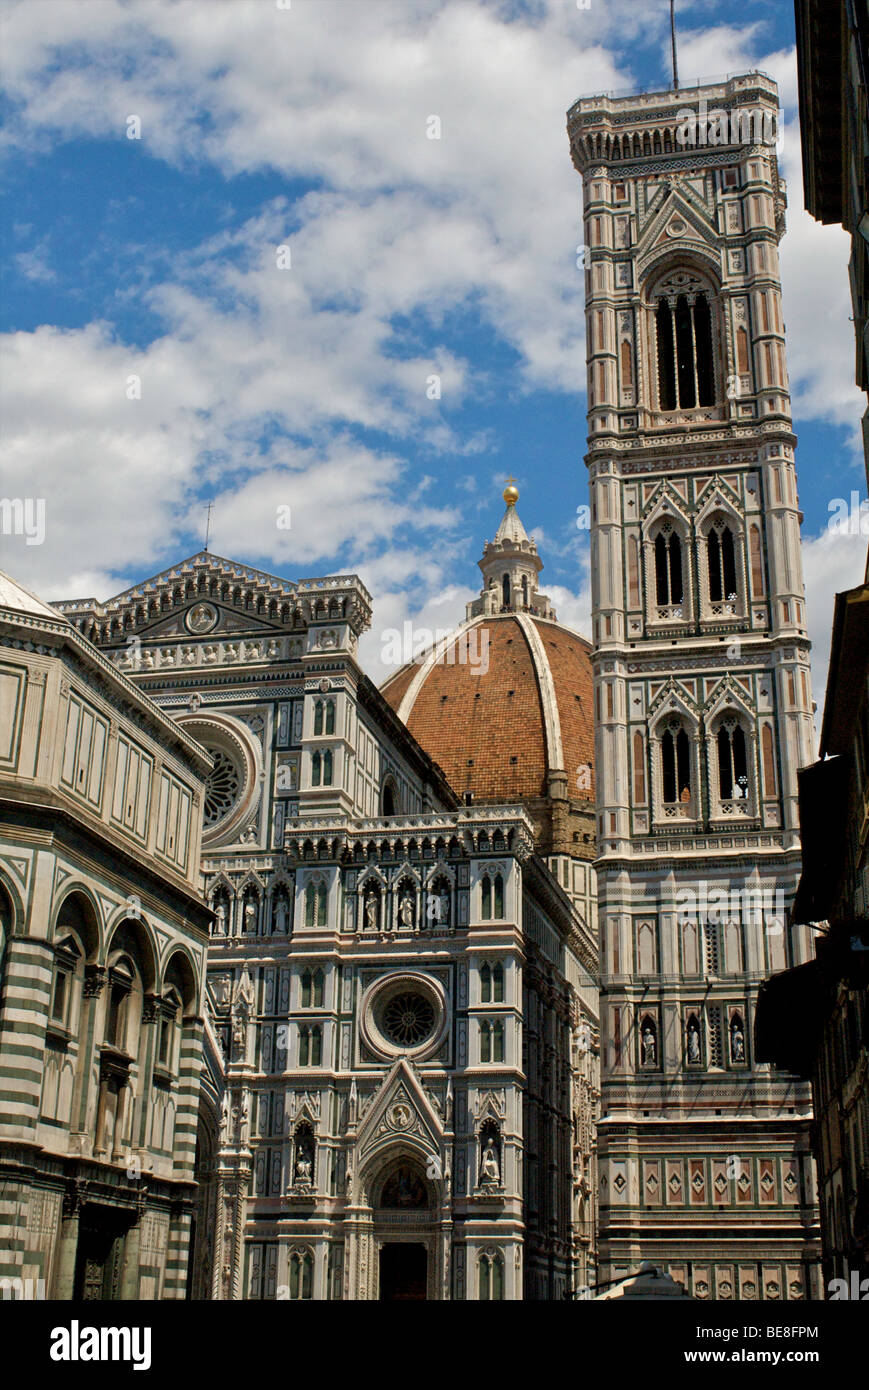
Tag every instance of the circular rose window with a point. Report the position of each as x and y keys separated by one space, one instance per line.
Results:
x=407 y=1019
x=404 y=1014
x=222 y=787
x=232 y=786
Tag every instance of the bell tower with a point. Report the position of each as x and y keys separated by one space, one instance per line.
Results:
x=702 y=695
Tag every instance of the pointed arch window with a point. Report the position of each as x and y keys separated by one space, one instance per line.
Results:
x=318 y=716
x=310 y=1045
x=329 y=717
x=486 y=888
x=498 y=984
x=485 y=983
x=721 y=559
x=669 y=585
x=327 y=768
x=732 y=761
x=675 y=765
x=498 y=897
x=316 y=769
x=505 y=591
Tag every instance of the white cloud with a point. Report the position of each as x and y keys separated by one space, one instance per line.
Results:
x=832 y=562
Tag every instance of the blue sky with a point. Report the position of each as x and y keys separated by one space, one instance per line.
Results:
x=305 y=385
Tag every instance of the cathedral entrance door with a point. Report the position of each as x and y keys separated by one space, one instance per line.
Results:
x=99 y=1257
x=403 y=1271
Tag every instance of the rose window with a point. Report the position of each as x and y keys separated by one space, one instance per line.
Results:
x=406 y=1019
x=222 y=787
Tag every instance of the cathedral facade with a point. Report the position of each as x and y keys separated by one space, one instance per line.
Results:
x=402 y=991
x=703 y=709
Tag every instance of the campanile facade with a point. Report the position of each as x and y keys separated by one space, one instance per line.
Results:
x=702 y=687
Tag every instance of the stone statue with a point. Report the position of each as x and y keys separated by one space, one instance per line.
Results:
x=693 y=1043
x=220 y=914
x=371 y=912
x=405 y=911
x=281 y=913
x=737 y=1044
x=490 y=1168
x=224 y=1119
x=649 y=1048
x=250 y=916
x=303 y=1174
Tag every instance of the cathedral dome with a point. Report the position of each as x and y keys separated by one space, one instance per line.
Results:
x=504 y=703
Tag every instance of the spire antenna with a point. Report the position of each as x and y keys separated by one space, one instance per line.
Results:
x=673 y=44
x=208 y=525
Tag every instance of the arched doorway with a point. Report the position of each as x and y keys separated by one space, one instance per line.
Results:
x=405 y=1232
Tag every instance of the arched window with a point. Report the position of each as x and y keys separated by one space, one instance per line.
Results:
x=317 y=989
x=329 y=719
x=669 y=586
x=498 y=984
x=315 y=905
x=721 y=562
x=301 y=1275
x=388 y=799
x=491 y=1276
x=485 y=1041
x=505 y=591
x=486 y=888
x=327 y=768
x=306 y=989
x=732 y=763
x=316 y=770
x=525 y=591
x=318 y=716
x=498 y=897
x=686 y=375
x=310 y=1045
x=675 y=765
x=485 y=984
x=497 y=1042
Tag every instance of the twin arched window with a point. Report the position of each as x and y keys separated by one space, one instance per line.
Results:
x=491 y=1276
x=312 y=989
x=732 y=761
x=669 y=580
x=310 y=1045
x=492 y=984
x=491 y=1041
x=721 y=562
x=321 y=769
x=301 y=1274
x=324 y=716
x=492 y=890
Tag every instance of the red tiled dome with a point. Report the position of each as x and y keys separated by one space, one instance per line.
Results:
x=501 y=732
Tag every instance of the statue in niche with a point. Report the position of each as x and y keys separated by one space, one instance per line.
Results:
x=737 y=1041
x=650 y=1049
x=250 y=916
x=372 y=912
x=224 y=1119
x=281 y=913
x=303 y=1167
x=490 y=1167
x=405 y=911
x=693 y=1042
x=220 y=914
